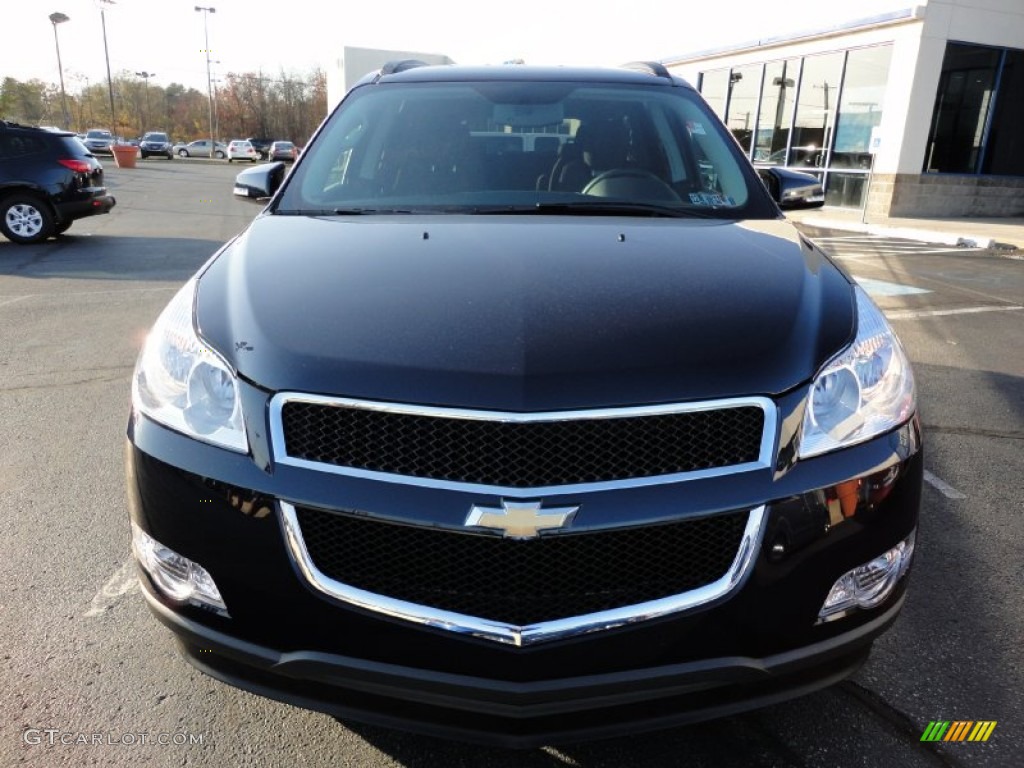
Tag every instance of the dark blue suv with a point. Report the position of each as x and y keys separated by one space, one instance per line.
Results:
x=522 y=415
x=47 y=180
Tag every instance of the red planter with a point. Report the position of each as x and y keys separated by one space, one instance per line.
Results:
x=124 y=155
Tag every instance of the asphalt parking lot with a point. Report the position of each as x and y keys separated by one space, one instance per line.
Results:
x=89 y=677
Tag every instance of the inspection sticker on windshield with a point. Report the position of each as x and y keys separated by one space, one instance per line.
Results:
x=695 y=129
x=711 y=199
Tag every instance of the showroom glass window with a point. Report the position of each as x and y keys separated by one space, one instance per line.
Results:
x=1004 y=150
x=966 y=87
x=778 y=98
x=714 y=87
x=816 y=110
x=818 y=114
x=860 y=114
x=744 y=93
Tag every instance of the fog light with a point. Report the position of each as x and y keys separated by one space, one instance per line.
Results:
x=176 y=576
x=868 y=585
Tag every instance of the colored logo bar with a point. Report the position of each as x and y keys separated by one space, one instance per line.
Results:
x=958 y=730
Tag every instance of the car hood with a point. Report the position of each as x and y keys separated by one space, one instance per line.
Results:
x=524 y=313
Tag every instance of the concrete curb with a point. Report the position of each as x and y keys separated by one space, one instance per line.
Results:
x=954 y=239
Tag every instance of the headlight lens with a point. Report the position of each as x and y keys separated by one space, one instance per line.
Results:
x=184 y=384
x=865 y=391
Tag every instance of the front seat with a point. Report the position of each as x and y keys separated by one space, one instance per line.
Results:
x=597 y=147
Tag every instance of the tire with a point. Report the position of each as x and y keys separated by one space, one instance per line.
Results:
x=219 y=155
x=182 y=153
x=25 y=219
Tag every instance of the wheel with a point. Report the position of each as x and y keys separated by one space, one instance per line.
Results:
x=631 y=183
x=25 y=219
x=182 y=153
x=219 y=155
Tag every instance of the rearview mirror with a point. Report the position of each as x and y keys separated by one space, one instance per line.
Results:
x=259 y=182
x=792 y=189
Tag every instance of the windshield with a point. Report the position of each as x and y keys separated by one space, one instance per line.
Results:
x=98 y=135
x=155 y=137
x=511 y=147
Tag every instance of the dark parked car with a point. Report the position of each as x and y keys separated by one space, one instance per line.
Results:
x=523 y=442
x=48 y=179
x=156 y=143
x=282 y=150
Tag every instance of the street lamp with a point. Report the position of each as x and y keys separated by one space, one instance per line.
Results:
x=55 y=19
x=206 y=11
x=145 y=76
x=106 y=53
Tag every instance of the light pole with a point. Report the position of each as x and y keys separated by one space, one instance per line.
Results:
x=106 y=53
x=145 y=76
x=55 y=19
x=214 y=81
x=206 y=11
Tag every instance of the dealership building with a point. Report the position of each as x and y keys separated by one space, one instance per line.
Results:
x=917 y=112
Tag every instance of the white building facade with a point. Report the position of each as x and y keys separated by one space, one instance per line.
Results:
x=918 y=112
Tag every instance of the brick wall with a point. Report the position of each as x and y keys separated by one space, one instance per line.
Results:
x=944 y=194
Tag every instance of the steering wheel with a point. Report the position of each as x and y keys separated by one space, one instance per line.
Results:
x=631 y=183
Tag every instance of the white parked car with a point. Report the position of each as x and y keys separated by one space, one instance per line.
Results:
x=242 y=149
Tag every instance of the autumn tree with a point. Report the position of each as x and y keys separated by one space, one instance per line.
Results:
x=288 y=106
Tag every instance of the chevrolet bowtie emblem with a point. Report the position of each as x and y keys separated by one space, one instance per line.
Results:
x=520 y=519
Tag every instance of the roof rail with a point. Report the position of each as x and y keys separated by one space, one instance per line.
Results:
x=401 y=65
x=650 y=67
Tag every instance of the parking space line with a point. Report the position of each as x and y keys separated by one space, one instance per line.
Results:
x=120 y=584
x=885 y=288
x=10 y=301
x=906 y=314
x=942 y=486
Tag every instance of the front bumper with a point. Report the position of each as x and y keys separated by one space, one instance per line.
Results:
x=759 y=644
x=521 y=715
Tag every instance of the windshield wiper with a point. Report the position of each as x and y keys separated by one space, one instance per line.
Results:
x=594 y=208
x=338 y=211
x=368 y=211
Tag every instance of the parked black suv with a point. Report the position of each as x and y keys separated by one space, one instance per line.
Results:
x=261 y=145
x=156 y=143
x=47 y=180
x=521 y=414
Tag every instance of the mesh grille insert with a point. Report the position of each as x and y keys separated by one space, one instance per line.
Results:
x=521 y=581
x=522 y=454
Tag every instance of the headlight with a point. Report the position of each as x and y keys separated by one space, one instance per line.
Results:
x=183 y=384
x=865 y=391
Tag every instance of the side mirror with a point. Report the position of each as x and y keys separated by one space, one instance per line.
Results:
x=792 y=189
x=259 y=182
